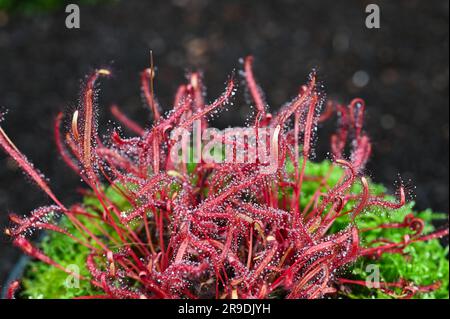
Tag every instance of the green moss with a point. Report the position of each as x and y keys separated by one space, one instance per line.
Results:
x=44 y=281
x=424 y=262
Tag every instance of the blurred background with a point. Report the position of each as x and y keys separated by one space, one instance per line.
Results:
x=401 y=70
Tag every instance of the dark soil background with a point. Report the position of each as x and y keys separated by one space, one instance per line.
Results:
x=401 y=70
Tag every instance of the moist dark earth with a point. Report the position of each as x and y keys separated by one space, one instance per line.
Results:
x=401 y=70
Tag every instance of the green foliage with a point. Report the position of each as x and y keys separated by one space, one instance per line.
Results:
x=424 y=262
x=44 y=281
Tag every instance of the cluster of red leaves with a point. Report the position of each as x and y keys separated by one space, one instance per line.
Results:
x=226 y=230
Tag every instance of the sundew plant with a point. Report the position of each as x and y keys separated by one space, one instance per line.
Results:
x=252 y=217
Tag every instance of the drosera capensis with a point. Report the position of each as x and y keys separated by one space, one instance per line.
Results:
x=223 y=229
